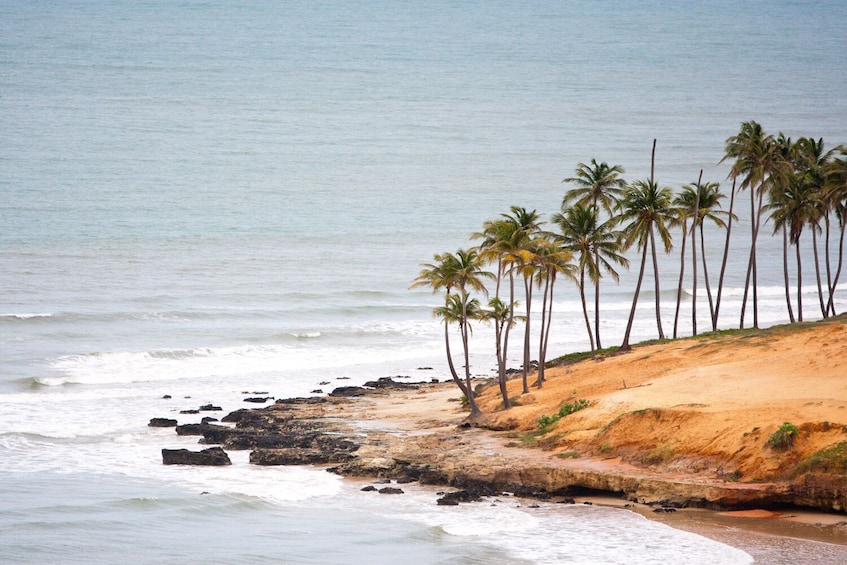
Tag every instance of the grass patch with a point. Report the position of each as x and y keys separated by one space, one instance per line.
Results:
x=546 y=422
x=832 y=459
x=783 y=438
x=568 y=455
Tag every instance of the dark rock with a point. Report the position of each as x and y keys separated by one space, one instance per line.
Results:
x=317 y=391
x=389 y=383
x=208 y=419
x=323 y=383
x=301 y=400
x=210 y=408
x=211 y=456
x=454 y=498
x=347 y=391
x=587 y=503
x=166 y=397
x=406 y=480
x=664 y=510
x=296 y=456
x=191 y=429
x=390 y=490
x=190 y=411
x=567 y=500
x=369 y=488
x=258 y=399
x=162 y=423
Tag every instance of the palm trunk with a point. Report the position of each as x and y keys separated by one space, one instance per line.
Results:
x=799 y=283
x=828 y=262
x=756 y=216
x=510 y=323
x=656 y=283
x=597 y=301
x=539 y=377
x=475 y=411
x=546 y=333
x=694 y=255
x=453 y=372
x=499 y=327
x=724 y=260
x=706 y=273
x=527 y=281
x=840 y=262
x=681 y=277
x=785 y=273
x=625 y=346
x=824 y=310
x=585 y=311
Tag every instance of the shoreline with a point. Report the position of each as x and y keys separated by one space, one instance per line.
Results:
x=419 y=429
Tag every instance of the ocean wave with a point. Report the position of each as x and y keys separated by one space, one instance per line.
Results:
x=25 y=316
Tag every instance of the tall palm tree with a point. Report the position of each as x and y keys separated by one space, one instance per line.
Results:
x=756 y=156
x=810 y=161
x=646 y=210
x=600 y=185
x=685 y=208
x=709 y=203
x=595 y=245
x=502 y=239
x=792 y=204
x=836 y=196
x=553 y=260
x=527 y=229
x=462 y=271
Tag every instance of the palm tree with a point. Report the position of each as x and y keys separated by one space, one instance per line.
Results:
x=464 y=272
x=647 y=209
x=685 y=204
x=810 y=161
x=553 y=260
x=709 y=203
x=595 y=245
x=527 y=226
x=836 y=196
x=756 y=159
x=501 y=241
x=600 y=185
x=792 y=204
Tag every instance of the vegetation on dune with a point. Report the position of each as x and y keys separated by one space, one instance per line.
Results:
x=800 y=187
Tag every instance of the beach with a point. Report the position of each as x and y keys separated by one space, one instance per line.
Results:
x=786 y=372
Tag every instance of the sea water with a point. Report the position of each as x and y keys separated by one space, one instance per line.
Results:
x=209 y=200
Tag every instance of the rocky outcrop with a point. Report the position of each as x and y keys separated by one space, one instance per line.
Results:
x=213 y=456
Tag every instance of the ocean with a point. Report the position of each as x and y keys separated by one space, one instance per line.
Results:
x=203 y=200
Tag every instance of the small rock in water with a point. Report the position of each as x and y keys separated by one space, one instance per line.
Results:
x=166 y=397
x=210 y=408
x=369 y=488
x=317 y=391
x=162 y=423
x=190 y=411
x=258 y=399
x=390 y=490
x=207 y=419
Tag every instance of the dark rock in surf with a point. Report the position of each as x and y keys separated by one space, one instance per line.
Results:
x=258 y=399
x=454 y=498
x=390 y=490
x=162 y=423
x=214 y=456
x=347 y=391
x=210 y=408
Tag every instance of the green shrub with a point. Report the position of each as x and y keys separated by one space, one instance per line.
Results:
x=783 y=438
x=567 y=409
